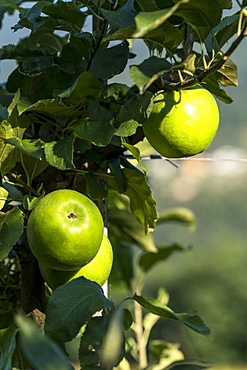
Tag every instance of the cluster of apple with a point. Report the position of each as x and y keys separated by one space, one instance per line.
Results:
x=182 y=123
x=65 y=233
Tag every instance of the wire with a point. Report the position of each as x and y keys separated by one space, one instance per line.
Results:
x=171 y=160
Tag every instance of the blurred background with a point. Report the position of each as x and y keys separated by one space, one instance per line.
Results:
x=211 y=278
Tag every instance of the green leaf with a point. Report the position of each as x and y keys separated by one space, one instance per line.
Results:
x=202 y=15
x=98 y=129
x=32 y=166
x=50 y=106
x=5 y=97
x=91 y=342
x=41 y=351
x=17 y=122
x=148 y=260
x=136 y=153
x=213 y=86
x=85 y=85
x=114 y=343
x=111 y=61
x=94 y=189
x=99 y=133
x=36 y=65
x=94 y=336
x=166 y=36
x=7 y=347
x=225 y=4
x=124 y=227
x=162 y=352
x=133 y=114
x=227 y=75
x=178 y=214
x=30 y=147
x=3 y=196
x=117 y=91
x=31 y=14
x=122 y=273
x=226 y=29
x=8 y=154
x=121 y=34
x=148 y=71
x=194 y=322
x=11 y=226
x=71 y=306
x=122 y=17
x=142 y=204
x=96 y=112
x=37 y=87
x=59 y=154
x=29 y=202
x=66 y=11
x=148 y=21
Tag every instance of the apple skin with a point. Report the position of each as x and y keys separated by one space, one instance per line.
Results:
x=182 y=123
x=97 y=270
x=65 y=230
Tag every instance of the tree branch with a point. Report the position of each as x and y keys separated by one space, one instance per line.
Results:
x=215 y=67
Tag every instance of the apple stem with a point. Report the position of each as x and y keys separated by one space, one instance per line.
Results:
x=72 y=215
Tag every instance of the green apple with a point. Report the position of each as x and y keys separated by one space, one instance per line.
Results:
x=97 y=270
x=182 y=123
x=65 y=230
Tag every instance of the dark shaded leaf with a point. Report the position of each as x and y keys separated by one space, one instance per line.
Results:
x=202 y=15
x=94 y=189
x=123 y=17
x=148 y=260
x=32 y=166
x=148 y=71
x=7 y=347
x=50 y=106
x=85 y=85
x=111 y=61
x=71 y=306
x=226 y=29
x=133 y=114
x=36 y=65
x=99 y=133
x=166 y=36
x=41 y=351
x=122 y=271
x=213 y=86
x=114 y=343
x=91 y=342
x=66 y=11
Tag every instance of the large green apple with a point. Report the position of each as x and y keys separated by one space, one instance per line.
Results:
x=97 y=270
x=65 y=230
x=182 y=123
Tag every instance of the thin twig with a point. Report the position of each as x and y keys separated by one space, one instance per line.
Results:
x=24 y=184
x=215 y=67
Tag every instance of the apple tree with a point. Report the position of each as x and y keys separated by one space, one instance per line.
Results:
x=65 y=124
